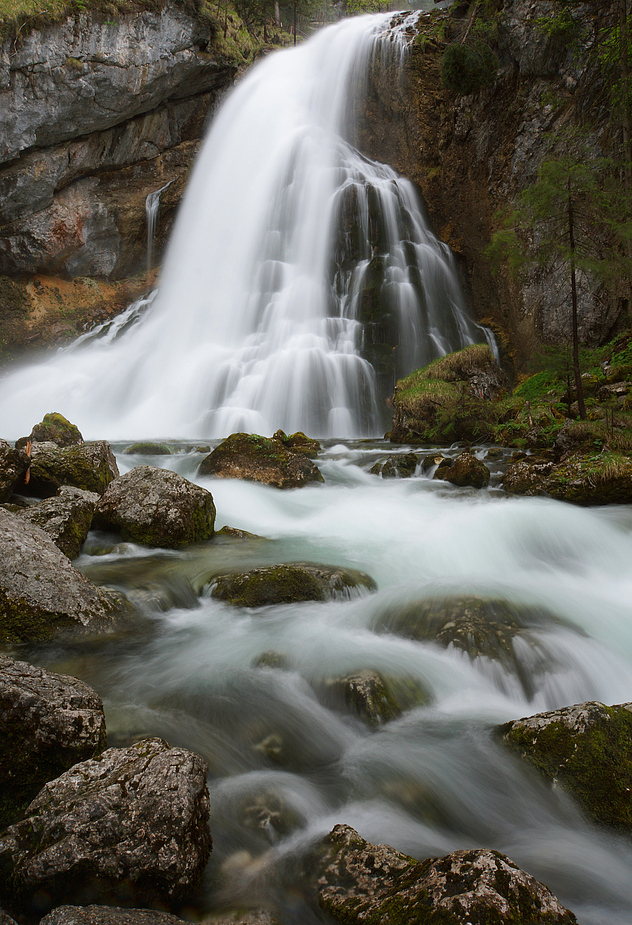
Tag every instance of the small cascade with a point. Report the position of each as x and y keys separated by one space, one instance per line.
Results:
x=152 y=207
x=301 y=279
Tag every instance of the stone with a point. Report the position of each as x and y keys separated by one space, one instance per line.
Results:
x=288 y=584
x=14 y=464
x=90 y=466
x=357 y=882
x=396 y=467
x=466 y=471
x=577 y=478
x=585 y=749
x=48 y=722
x=5 y=918
x=148 y=449
x=66 y=517
x=53 y=428
x=373 y=698
x=299 y=443
x=107 y=915
x=42 y=594
x=156 y=507
x=260 y=459
x=129 y=826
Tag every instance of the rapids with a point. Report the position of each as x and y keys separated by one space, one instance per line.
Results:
x=285 y=765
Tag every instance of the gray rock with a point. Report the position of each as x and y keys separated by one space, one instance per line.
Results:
x=286 y=584
x=157 y=508
x=48 y=722
x=42 y=594
x=107 y=915
x=358 y=882
x=13 y=466
x=66 y=518
x=130 y=826
x=90 y=466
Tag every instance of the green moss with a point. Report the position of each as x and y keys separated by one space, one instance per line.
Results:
x=21 y=622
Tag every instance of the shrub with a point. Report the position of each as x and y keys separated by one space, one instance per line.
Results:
x=468 y=68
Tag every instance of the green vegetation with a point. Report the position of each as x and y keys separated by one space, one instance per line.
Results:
x=469 y=62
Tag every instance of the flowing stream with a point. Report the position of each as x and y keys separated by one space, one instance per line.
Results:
x=248 y=689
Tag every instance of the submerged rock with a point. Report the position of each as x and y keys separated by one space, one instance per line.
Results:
x=287 y=584
x=130 y=826
x=66 y=518
x=396 y=467
x=585 y=749
x=90 y=466
x=48 y=722
x=14 y=464
x=375 y=699
x=260 y=459
x=42 y=594
x=53 y=428
x=148 y=449
x=156 y=508
x=357 y=882
x=465 y=471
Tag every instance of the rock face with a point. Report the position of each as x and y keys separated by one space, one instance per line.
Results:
x=48 y=722
x=131 y=825
x=157 y=508
x=587 y=750
x=287 y=584
x=42 y=594
x=90 y=466
x=13 y=466
x=260 y=459
x=358 y=882
x=66 y=518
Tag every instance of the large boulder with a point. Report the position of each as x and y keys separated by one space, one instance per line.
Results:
x=48 y=722
x=14 y=464
x=130 y=826
x=42 y=594
x=90 y=466
x=287 y=584
x=465 y=471
x=579 y=479
x=358 y=882
x=66 y=518
x=587 y=750
x=53 y=428
x=260 y=459
x=156 y=508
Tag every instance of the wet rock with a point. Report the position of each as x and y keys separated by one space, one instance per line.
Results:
x=148 y=449
x=375 y=699
x=156 y=508
x=13 y=466
x=107 y=915
x=5 y=918
x=587 y=750
x=90 y=466
x=129 y=826
x=287 y=584
x=298 y=443
x=358 y=882
x=53 y=428
x=578 y=479
x=48 y=722
x=66 y=518
x=41 y=594
x=466 y=471
x=395 y=467
x=260 y=459
x=435 y=459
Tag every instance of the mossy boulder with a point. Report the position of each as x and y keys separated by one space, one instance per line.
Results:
x=90 y=466
x=372 y=697
x=53 y=428
x=48 y=722
x=14 y=464
x=66 y=518
x=599 y=478
x=396 y=467
x=298 y=443
x=155 y=507
x=114 y=915
x=148 y=449
x=288 y=584
x=358 y=882
x=453 y=398
x=260 y=459
x=585 y=749
x=466 y=472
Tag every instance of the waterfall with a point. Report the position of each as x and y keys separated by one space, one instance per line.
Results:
x=300 y=282
x=152 y=207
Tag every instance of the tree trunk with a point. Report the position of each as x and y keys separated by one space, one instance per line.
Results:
x=578 y=376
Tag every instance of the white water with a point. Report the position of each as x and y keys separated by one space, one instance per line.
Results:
x=430 y=782
x=258 y=320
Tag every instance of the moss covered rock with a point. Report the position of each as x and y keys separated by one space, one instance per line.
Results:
x=466 y=471
x=599 y=478
x=396 y=467
x=53 y=428
x=90 y=466
x=587 y=750
x=156 y=508
x=299 y=443
x=260 y=459
x=287 y=584
x=66 y=518
x=14 y=464
x=372 y=697
x=48 y=722
x=148 y=449
x=357 y=882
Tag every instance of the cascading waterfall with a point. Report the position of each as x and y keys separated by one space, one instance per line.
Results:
x=152 y=208
x=300 y=282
